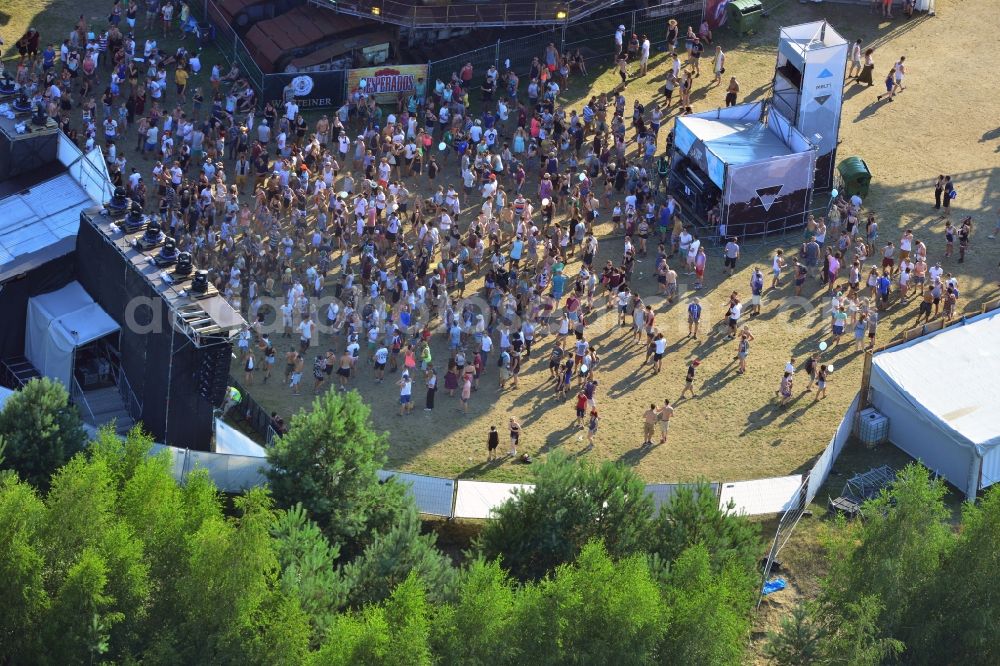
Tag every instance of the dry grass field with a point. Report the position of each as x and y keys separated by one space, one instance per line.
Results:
x=946 y=121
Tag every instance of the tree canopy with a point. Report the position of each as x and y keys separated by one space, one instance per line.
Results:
x=42 y=430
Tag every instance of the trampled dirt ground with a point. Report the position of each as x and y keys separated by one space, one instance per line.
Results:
x=945 y=122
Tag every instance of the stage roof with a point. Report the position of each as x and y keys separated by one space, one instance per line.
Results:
x=812 y=36
x=40 y=223
x=736 y=141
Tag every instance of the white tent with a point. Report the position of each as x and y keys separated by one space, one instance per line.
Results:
x=941 y=395
x=58 y=323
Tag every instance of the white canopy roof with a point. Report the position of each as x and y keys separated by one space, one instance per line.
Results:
x=58 y=323
x=941 y=394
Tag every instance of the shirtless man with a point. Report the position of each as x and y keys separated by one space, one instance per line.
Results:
x=649 y=419
x=344 y=371
x=664 y=414
x=291 y=356
x=297 y=374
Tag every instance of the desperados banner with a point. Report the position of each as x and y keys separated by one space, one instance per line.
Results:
x=385 y=81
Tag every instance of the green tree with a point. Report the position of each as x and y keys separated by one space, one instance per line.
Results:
x=894 y=556
x=798 y=641
x=308 y=567
x=391 y=557
x=692 y=516
x=232 y=604
x=602 y=610
x=475 y=630
x=22 y=568
x=958 y=619
x=327 y=463
x=709 y=612
x=42 y=430
x=572 y=502
x=396 y=631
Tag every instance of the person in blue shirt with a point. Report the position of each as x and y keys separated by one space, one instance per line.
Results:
x=882 y=287
x=48 y=58
x=558 y=285
x=694 y=317
x=516 y=250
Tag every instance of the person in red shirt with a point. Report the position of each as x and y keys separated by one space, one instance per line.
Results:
x=581 y=408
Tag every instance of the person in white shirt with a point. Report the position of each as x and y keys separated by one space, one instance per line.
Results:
x=644 y=55
x=855 y=68
x=619 y=36
x=719 y=64
x=291 y=110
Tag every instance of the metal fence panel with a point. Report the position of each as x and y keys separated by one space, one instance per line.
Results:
x=821 y=469
x=433 y=496
x=663 y=492
x=521 y=50
x=481 y=60
x=762 y=496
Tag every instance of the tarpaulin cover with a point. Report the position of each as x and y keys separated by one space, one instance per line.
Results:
x=58 y=323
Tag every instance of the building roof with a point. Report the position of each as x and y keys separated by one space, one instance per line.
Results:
x=949 y=377
x=40 y=223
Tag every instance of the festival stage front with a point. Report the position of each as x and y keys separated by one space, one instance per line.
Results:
x=757 y=169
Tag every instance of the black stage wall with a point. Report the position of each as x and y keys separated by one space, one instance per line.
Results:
x=14 y=295
x=21 y=153
x=161 y=363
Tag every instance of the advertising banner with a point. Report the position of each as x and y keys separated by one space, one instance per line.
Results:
x=769 y=194
x=386 y=81
x=312 y=90
x=822 y=97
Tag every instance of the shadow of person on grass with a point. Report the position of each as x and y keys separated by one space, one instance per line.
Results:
x=634 y=456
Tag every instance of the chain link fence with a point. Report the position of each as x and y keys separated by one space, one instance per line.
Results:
x=594 y=38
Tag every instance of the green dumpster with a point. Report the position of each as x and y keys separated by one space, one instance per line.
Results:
x=856 y=176
x=745 y=15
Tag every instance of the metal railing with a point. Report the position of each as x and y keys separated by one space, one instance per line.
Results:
x=132 y=404
x=76 y=393
x=231 y=46
x=592 y=36
x=470 y=15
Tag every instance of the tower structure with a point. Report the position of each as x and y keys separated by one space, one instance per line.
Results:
x=809 y=89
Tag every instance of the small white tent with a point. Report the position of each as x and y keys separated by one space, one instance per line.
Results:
x=58 y=323
x=941 y=393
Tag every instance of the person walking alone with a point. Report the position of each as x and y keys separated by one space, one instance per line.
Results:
x=430 y=380
x=515 y=435
x=492 y=442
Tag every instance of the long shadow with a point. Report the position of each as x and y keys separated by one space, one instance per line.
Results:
x=870 y=110
x=635 y=456
x=854 y=89
x=990 y=135
x=479 y=469
x=761 y=417
x=556 y=437
x=622 y=386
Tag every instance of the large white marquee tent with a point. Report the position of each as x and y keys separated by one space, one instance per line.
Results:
x=941 y=393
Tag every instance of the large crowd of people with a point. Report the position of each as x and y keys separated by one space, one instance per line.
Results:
x=359 y=234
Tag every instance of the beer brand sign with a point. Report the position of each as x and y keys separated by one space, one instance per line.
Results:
x=385 y=81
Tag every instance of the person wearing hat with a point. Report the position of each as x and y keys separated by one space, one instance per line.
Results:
x=689 y=378
x=672 y=33
x=619 y=45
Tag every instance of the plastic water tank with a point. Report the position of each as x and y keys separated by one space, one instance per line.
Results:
x=873 y=427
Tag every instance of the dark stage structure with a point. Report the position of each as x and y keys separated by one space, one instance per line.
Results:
x=175 y=343
x=752 y=168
